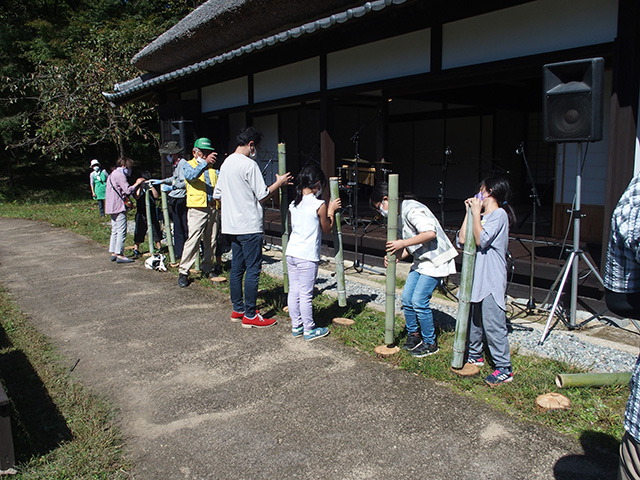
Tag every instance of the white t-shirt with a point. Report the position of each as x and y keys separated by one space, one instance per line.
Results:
x=306 y=238
x=240 y=188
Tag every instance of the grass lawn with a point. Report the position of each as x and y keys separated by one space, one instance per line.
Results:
x=83 y=440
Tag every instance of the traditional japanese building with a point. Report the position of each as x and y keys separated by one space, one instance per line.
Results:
x=442 y=93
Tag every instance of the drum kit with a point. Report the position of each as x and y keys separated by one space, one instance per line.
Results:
x=354 y=174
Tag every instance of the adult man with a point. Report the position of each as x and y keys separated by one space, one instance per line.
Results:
x=203 y=215
x=98 y=182
x=242 y=189
x=622 y=293
x=177 y=195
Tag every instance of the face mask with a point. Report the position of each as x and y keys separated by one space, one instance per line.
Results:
x=170 y=158
x=479 y=196
x=96 y=168
x=383 y=212
x=253 y=153
x=318 y=194
x=126 y=171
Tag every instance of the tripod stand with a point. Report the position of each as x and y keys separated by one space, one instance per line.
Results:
x=571 y=265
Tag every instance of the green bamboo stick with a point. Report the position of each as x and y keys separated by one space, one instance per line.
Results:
x=464 y=295
x=392 y=236
x=339 y=255
x=284 y=212
x=567 y=380
x=167 y=226
x=147 y=203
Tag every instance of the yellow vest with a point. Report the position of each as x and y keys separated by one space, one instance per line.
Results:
x=197 y=189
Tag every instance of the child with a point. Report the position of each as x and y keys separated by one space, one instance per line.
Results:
x=310 y=216
x=491 y=234
x=433 y=254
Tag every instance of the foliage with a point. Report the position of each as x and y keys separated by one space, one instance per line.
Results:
x=56 y=59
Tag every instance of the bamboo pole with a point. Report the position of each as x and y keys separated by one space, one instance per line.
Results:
x=147 y=204
x=392 y=235
x=284 y=212
x=567 y=380
x=167 y=225
x=339 y=253
x=464 y=295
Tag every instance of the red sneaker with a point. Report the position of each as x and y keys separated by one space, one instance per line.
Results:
x=257 y=322
x=237 y=316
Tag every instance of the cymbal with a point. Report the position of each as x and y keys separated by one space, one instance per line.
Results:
x=355 y=160
x=383 y=162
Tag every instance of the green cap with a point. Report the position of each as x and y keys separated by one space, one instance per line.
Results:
x=204 y=144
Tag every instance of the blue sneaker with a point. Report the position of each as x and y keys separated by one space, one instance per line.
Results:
x=499 y=376
x=297 y=331
x=317 y=332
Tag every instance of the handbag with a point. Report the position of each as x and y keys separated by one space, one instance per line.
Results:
x=128 y=201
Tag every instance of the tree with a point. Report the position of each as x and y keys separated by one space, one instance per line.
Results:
x=58 y=56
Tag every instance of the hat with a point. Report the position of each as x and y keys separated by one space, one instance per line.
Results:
x=170 y=148
x=204 y=144
x=94 y=162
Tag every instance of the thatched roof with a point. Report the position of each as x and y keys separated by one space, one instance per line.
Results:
x=219 y=26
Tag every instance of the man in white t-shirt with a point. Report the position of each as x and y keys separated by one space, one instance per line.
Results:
x=242 y=190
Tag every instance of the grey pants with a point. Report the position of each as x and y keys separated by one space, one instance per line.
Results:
x=488 y=318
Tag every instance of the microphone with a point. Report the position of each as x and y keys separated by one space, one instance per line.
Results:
x=520 y=149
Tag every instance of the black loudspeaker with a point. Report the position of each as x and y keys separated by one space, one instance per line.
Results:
x=573 y=100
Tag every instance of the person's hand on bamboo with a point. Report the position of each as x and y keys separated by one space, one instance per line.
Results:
x=334 y=206
x=282 y=180
x=475 y=204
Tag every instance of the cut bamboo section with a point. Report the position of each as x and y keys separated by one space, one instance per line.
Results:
x=568 y=380
x=339 y=254
x=147 y=204
x=464 y=295
x=284 y=213
x=392 y=235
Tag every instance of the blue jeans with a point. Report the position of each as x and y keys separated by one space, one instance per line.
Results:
x=416 y=297
x=246 y=260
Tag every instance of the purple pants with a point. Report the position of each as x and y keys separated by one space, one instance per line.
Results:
x=302 y=278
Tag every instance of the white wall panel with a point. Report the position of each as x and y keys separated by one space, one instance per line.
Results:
x=399 y=56
x=225 y=95
x=294 y=79
x=528 y=29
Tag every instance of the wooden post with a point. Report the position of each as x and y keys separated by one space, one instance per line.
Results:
x=339 y=254
x=464 y=295
x=392 y=235
x=284 y=213
x=167 y=225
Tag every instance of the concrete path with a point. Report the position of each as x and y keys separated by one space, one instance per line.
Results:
x=199 y=397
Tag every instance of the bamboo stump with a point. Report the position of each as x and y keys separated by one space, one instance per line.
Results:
x=344 y=322
x=467 y=370
x=552 y=401
x=386 y=351
x=218 y=279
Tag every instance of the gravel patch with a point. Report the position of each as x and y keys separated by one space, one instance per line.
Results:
x=559 y=345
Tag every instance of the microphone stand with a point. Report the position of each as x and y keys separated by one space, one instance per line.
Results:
x=535 y=202
x=447 y=153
